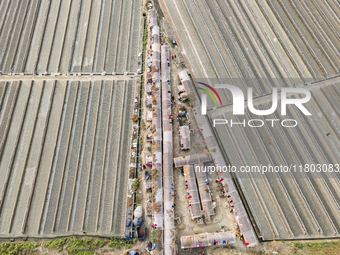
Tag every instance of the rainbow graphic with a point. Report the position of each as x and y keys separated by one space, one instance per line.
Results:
x=209 y=93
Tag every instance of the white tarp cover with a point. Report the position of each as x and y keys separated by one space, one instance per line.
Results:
x=207 y=239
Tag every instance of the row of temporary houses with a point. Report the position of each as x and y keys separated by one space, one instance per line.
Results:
x=168 y=179
x=239 y=211
x=163 y=217
x=207 y=239
x=198 y=193
x=157 y=168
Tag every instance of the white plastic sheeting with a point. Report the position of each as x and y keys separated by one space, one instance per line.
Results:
x=169 y=228
x=207 y=239
x=157 y=184
x=204 y=191
x=192 y=159
x=152 y=18
x=184 y=133
x=192 y=189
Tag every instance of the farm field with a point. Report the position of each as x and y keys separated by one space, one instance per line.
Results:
x=70 y=36
x=65 y=148
x=293 y=204
x=247 y=43
x=263 y=44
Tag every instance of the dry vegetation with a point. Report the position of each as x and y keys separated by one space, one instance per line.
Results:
x=135 y=118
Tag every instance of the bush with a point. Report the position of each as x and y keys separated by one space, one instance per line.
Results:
x=18 y=248
x=154 y=236
x=75 y=243
x=57 y=244
x=99 y=243
x=135 y=185
x=135 y=118
x=298 y=245
x=128 y=246
x=117 y=242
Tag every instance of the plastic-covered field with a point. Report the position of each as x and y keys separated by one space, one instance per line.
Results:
x=64 y=156
x=295 y=43
x=70 y=36
x=250 y=42
x=294 y=204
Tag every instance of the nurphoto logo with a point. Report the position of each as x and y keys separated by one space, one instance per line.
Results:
x=239 y=105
